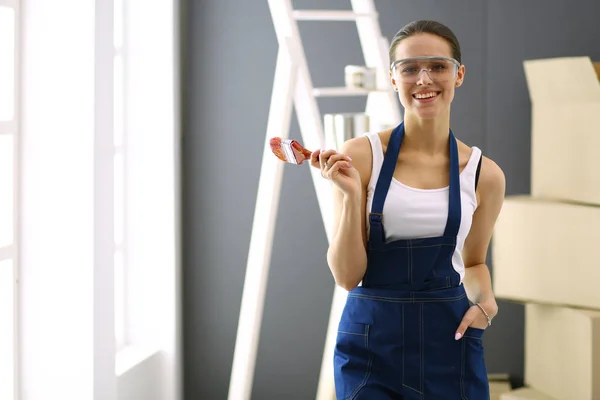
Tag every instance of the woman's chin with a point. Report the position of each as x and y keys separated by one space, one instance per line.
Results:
x=426 y=114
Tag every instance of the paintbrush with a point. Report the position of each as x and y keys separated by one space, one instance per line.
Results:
x=289 y=150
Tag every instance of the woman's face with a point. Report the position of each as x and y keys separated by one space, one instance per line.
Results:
x=424 y=93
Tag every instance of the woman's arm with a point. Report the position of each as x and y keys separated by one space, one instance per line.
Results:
x=346 y=255
x=478 y=282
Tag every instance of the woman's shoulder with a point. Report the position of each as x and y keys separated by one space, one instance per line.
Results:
x=465 y=151
x=361 y=146
x=360 y=151
x=491 y=176
x=384 y=138
x=491 y=187
x=358 y=146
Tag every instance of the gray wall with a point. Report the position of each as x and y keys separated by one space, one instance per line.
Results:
x=229 y=52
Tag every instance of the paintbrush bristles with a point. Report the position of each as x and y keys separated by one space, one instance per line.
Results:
x=289 y=150
x=275 y=144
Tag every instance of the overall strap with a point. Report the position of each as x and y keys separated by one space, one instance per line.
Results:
x=454 y=206
x=376 y=233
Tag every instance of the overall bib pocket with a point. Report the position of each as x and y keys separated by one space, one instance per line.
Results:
x=353 y=358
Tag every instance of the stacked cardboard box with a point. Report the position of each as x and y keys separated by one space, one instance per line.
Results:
x=525 y=394
x=544 y=246
x=499 y=384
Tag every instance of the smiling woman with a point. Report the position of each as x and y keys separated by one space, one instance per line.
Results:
x=408 y=328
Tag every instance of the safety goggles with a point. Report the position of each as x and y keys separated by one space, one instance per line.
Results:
x=439 y=69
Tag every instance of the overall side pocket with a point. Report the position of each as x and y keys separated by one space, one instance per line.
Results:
x=352 y=359
x=474 y=382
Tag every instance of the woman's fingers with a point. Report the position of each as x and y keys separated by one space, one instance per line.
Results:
x=327 y=159
x=314 y=159
x=337 y=166
x=334 y=163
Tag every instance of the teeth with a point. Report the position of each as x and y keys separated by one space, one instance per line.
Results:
x=425 y=95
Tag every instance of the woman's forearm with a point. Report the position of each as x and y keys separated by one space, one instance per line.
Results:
x=478 y=285
x=346 y=256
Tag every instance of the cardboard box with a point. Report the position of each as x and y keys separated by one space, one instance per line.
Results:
x=525 y=394
x=498 y=388
x=499 y=383
x=547 y=252
x=565 y=128
x=562 y=351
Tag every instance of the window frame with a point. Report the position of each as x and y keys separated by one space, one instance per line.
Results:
x=12 y=127
x=122 y=328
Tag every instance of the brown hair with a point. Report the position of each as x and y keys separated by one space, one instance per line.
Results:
x=425 y=26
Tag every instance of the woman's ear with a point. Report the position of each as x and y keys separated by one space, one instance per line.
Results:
x=460 y=76
x=393 y=81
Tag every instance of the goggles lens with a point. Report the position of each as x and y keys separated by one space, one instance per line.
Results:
x=439 y=69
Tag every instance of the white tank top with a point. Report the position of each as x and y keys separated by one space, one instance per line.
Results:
x=412 y=213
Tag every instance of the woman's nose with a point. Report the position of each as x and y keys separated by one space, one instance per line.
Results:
x=422 y=80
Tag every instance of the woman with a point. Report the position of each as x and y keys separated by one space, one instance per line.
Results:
x=414 y=214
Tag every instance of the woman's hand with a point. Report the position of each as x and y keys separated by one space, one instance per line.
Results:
x=337 y=168
x=475 y=318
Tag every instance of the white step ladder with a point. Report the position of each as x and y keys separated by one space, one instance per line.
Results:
x=292 y=86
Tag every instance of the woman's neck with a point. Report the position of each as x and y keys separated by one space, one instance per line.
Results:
x=428 y=136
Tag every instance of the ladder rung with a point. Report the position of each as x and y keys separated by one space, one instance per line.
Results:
x=342 y=92
x=330 y=15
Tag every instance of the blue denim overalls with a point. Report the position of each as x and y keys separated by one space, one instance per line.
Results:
x=396 y=336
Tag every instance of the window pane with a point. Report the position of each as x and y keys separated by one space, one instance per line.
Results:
x=6 y=190
x=7 y=360
x=119 y=200
x=118 y=102
x=119 y=300
x=7 y=55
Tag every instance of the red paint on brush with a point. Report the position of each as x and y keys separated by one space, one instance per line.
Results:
x=300 y=152
x=275 y=144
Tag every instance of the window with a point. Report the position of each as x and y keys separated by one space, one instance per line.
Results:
x=145 y=141
x=143 y=174
x=8 y=195
x=81 y=204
